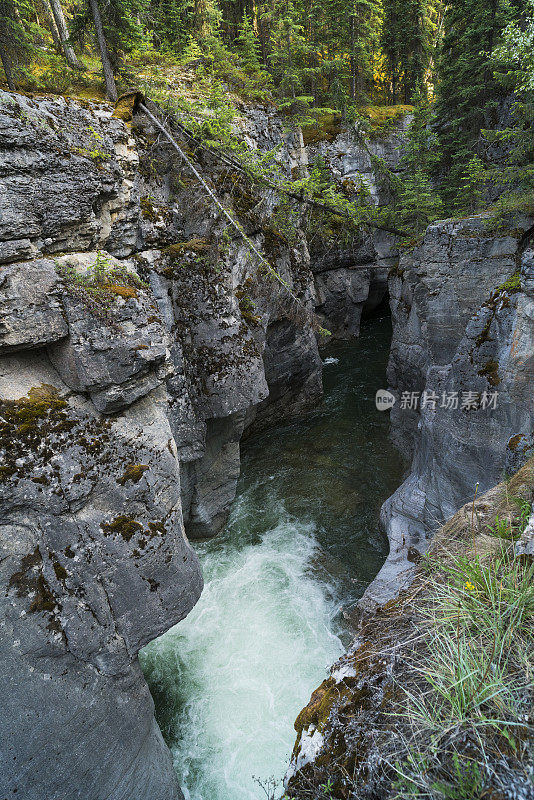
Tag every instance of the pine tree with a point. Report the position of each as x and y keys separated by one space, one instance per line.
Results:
x=15 y=37
x=469 y=92
x=248 y=46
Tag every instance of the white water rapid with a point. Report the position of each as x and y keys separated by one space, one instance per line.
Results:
x=240 y=667
x=303 y=538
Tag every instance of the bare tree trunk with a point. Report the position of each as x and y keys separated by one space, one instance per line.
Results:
x=52 y=26
x=61 y=25
x=352 y=56
x=290 y=56
x=6 y=63
x=107 y=69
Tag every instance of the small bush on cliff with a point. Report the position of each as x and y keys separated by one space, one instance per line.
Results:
x=102 y=283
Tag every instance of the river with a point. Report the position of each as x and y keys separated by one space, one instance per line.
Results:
x=301 y=545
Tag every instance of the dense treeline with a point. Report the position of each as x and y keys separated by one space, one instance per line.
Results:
x=326 y=52
x=466 y=65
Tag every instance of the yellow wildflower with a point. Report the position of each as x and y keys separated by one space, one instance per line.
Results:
x=469 y=586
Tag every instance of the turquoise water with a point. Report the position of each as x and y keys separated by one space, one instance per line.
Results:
x=301 y=544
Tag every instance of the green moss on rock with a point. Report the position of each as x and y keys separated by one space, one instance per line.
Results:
x=134 y=473
x=490 y=370
x=325 y=128
x=512 y=285
x=29 y=581
x=193 y=245
x=123 y=526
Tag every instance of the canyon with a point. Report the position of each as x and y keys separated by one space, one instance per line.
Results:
x=125 y=396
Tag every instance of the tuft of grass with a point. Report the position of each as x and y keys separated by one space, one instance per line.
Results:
x=469 y=707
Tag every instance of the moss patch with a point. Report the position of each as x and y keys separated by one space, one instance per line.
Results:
x=510 y=286
x=325 y=128
x=514 y=441
x=41 y=425
x=383 y=118
x=23 y=416
x=29 y=581
x=247 y=306
x=126 y=292
x=123 y=526
x=193 y=245
x=125 y=105
x=99 y=287
x=134 y=473
x=490 y=370
x=147 y=209
x=484 y=334
x=59 y=570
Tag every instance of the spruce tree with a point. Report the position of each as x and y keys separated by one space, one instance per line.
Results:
x=248 y=46
x=15 y=37
x=405 y=45
x=288 y=49
x=171 y=24
x=362 y=39
x=469 y=93
x=419 y=200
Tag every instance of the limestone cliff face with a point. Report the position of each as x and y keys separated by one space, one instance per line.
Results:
x=463 y=321
x=136 y=344
x=351 y=269
x=139 y=341
x=463 y=329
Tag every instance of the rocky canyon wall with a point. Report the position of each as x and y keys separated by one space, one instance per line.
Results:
x=462 y=370
x=351 y=267
x=138 y=340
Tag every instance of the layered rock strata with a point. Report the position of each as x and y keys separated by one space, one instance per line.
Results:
x=137 y=340
x=462 y=369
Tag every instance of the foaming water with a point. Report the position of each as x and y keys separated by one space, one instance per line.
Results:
x=234 y=674
x=301 y=544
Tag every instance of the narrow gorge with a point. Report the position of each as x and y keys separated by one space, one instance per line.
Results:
x=202 y=506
